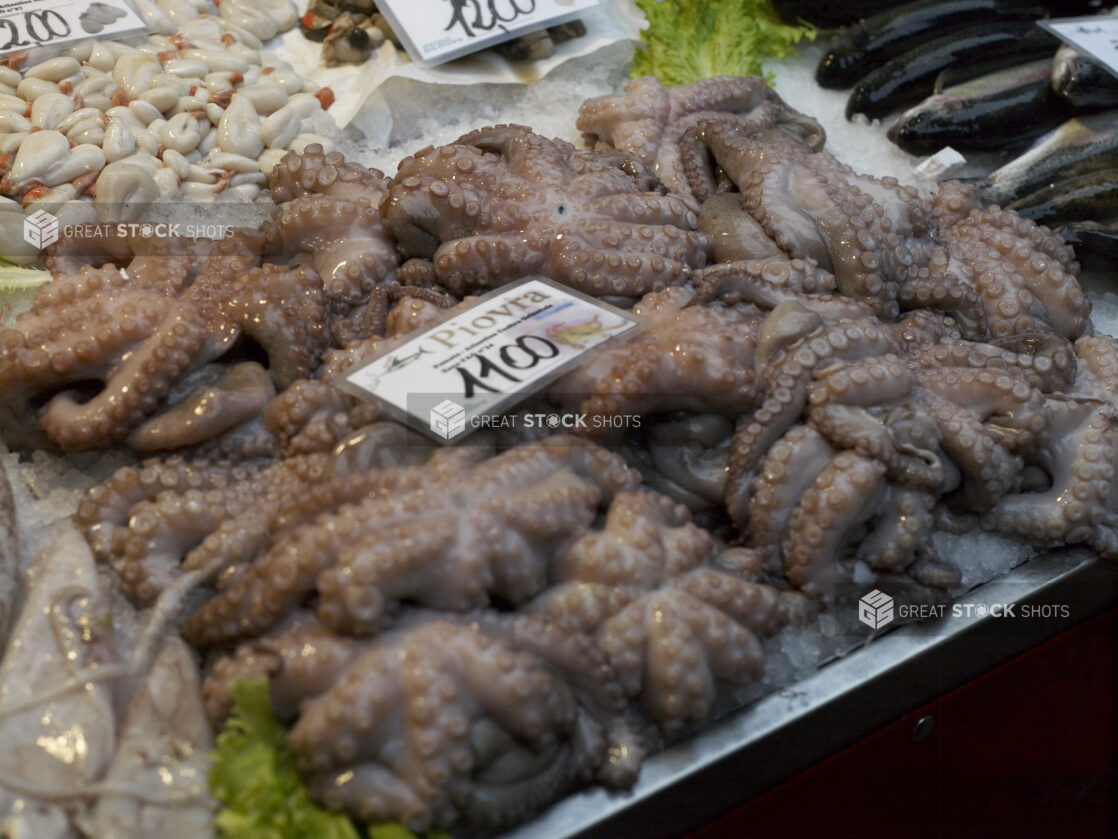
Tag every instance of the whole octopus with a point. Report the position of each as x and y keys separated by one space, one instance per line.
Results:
x=831 y=368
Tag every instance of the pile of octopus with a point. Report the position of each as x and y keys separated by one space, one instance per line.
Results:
x=831 y=367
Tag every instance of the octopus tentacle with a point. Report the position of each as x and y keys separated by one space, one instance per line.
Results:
x=676 y=629
x=904 y=525
x=843 y=496
x=644 y=637
x=347 y=242
x=1046 y=361
x=106 y=507
x=646 y=539
x=1074 y=500
x=444 y=514
x=460 y=673
x=1011 y=255
x=764 y=284
x=786 y=385
x=697 y=358
x=789 y=470
x=1078 y=459
x=1015 y=413
x=312 y=415
x=649 y=120
x=488 y=261
x=989 y=470
x=645 y=209
x=317 y=172
x=174 y=338
x=503 y=202
x=921 y=288
x=297 y=659
x=236 y=394
x=737 y=235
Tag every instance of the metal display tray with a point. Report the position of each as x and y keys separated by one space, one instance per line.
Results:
x=695 y=781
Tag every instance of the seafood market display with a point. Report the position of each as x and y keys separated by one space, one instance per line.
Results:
x=194 y=110
x=832 y=367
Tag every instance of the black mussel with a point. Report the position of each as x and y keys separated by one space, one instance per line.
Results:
x=317 y=21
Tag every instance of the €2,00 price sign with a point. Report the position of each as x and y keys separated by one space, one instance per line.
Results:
x=26 y=24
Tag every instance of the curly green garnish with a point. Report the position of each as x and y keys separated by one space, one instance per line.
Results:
x=688 y=40
x=254 y=778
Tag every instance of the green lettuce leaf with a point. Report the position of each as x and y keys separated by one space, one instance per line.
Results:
x=253 y=777
x=688 y=40
x=18 y=286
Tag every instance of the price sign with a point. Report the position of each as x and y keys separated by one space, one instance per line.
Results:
x=1095 y=36
x=435 y=31
x=456 y=377
x=26 y=24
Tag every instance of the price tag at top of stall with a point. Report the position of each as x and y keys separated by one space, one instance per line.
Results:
x=27 y=24
x=1096 y=36
x=434 y=31
x=464 y=373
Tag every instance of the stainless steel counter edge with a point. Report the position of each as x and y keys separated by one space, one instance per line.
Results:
x=700 y=779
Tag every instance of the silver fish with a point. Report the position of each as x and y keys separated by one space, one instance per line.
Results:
x=1083 y=81
x=1080 y=145
x=1005 y=108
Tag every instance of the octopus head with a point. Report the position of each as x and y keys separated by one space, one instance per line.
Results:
x=413 y=219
